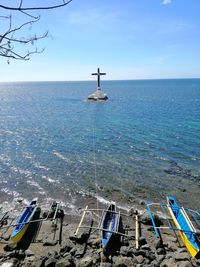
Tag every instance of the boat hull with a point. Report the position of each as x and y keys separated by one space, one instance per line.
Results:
x=181 y=222
x=18 y=236
x=23 y=222
x=110 y=223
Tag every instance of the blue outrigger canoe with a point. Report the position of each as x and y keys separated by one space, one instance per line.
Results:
x=109 y=224
x=188 y=232
x=24 y=221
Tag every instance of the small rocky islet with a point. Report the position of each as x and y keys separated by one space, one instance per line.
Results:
x=50 y=249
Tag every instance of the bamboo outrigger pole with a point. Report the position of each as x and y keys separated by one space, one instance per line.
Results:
x=136 y=232
x=81 y=221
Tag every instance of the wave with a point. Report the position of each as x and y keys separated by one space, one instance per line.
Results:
x=27 y=173
x=10 y=192
x=35 y=184
x=59 y=155
x=39 y=166
x=50 y=180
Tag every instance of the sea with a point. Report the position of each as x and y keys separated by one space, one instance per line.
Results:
x=141 y=145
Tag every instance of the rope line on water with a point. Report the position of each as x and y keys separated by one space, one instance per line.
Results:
x=94 y=160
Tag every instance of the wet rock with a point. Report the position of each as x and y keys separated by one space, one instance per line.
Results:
x=140 y=259
x=6 y=237
x=7 y=264
x=65 y=263
x=50 y=243
x=161 y=251
x=184 y=264
x=30 y=259
x=171 y=246
x=79 y=253
x=21 y=254
x=132 y=212
x=80 y=239
x=51 y=262
x=86 y=262
x=158 y=244
x=125 y=251
x=142 y=241
x=145 y=219
x=140 y=252
x=160 y=258
x=10 y=247
x=169 y=263
x=142 y=202
x=195 y=262
x=64 y=249
x=155 y=264
x=150 y=255
x=123 y=262
x=181 y=256
x=53 y=254
x=106 y=264
x=180 y=250
x=95 y=243
x=29 y=253
x=73 y=251
x=146 y=247
x=39 y=262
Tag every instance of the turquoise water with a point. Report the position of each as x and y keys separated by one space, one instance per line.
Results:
x=142 y=143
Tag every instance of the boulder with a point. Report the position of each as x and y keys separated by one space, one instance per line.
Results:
x=51 y=262
x=50 y=243
x=142 y=241
x=181 y=256
x=7 y=264
x=169 y=263
x=185 y=264
x=29 y=253
x=6 y=237
x=80 y=239
x=123 y=262
x=161 y=251
x=64 y=249
x=10 y=247
x=140 y=259
x=145 y=219
x=125 y=251
x=79 y=253
x=65 y=263
x=86 y=262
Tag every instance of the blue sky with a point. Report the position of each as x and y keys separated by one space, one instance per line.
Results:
x=129 y=39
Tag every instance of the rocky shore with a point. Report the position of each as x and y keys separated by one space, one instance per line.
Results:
x=84 y=249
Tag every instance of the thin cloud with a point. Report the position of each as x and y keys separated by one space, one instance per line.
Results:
x=166 y=2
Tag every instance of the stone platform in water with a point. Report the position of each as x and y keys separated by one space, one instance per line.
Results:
x=98 y=95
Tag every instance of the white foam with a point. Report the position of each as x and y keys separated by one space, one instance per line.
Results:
x=35 y=184
x=9 y=192
x=50 y=180
x=21 y=171
x=59 y=155
x=39 y=166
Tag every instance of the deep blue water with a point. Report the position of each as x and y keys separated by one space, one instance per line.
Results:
x=145 y=140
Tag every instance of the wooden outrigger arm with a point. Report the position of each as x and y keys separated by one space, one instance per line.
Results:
x=170 y=227
x=152 y=220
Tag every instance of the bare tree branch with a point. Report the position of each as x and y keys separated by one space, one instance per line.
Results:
x=12 y=37
x=34 y=8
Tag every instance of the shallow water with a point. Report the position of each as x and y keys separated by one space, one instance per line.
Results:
x=142 y=143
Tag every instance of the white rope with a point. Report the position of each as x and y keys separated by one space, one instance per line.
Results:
x=94 y=161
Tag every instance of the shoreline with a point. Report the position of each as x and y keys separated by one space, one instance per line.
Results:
x=84 y=250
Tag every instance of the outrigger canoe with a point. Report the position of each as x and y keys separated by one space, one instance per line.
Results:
x=24 y=221
x=187 y=231
x=109 y=224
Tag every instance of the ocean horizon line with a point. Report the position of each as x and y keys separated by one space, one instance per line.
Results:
x=107 y=80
